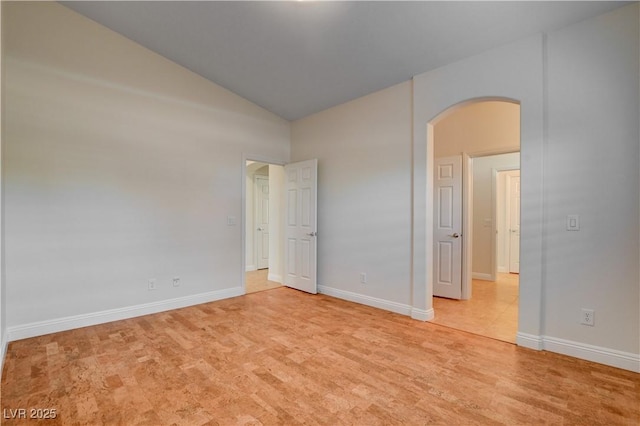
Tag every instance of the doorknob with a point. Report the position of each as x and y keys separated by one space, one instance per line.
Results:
x=260 y=229
x=454 y=235
x=312 y=234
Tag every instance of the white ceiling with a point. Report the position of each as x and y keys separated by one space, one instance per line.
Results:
x=296 y=58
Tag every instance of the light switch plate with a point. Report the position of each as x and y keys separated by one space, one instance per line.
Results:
x=573 y=222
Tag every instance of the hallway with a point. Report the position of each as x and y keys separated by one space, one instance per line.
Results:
x=492 y=310
x=257 y=281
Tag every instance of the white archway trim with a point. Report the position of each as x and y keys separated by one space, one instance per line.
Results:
x=513 y=73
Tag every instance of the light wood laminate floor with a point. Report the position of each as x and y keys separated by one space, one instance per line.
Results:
x=257 y=281
x=492 y=310
x=283 y=357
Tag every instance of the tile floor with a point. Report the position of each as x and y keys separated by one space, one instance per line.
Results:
x=257 y=281
x=492 y=310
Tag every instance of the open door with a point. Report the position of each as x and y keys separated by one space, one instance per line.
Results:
x=300 y=262
x=262 y=221
x=447 y=232
x=513 y=185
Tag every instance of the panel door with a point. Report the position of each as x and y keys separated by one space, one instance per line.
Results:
x=513 y=184
x=447 y=250
x=262 y=221
x=300 y=230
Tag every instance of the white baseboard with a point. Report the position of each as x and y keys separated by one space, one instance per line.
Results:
x=502 y=269
x=386 y=305
x=275 y=277
x=422 y=315
x=250 y=268
x=482 y=276
x=606 y=356
x=530 y=341
x=399 y=308
x=4 y=344
x=84 y=320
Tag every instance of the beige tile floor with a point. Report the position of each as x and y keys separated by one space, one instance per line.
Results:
x=257 y=281
x=492 y=310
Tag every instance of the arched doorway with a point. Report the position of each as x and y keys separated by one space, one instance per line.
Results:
x=483 y=137
x=511 y=73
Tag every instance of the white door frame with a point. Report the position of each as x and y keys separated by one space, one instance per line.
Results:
x=510 y=208
x=243 y=214
x=467 y=226
x=256 y=209
x=467 y=217
x=446 y=94
x=494 y=192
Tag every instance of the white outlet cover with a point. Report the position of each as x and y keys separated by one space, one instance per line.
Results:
x=588 y=317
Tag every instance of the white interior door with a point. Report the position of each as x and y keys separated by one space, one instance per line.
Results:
x=262 y=221
x=513 y=205
x=300 y=260
x=447 y=238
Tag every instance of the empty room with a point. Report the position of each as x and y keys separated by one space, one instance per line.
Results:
x=306 y=212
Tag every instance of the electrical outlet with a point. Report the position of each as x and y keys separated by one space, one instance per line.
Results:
x=152 y=284
x=588 y=317
x=176 y=281
x=363 y=277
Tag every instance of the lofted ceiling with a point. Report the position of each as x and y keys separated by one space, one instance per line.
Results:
x=296 y=58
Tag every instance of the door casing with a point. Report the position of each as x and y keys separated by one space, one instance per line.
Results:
x=467 y=217
x=496 y=173
x=243 y=214
x=259 y=232
x=268 y=161
x=513 y=268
